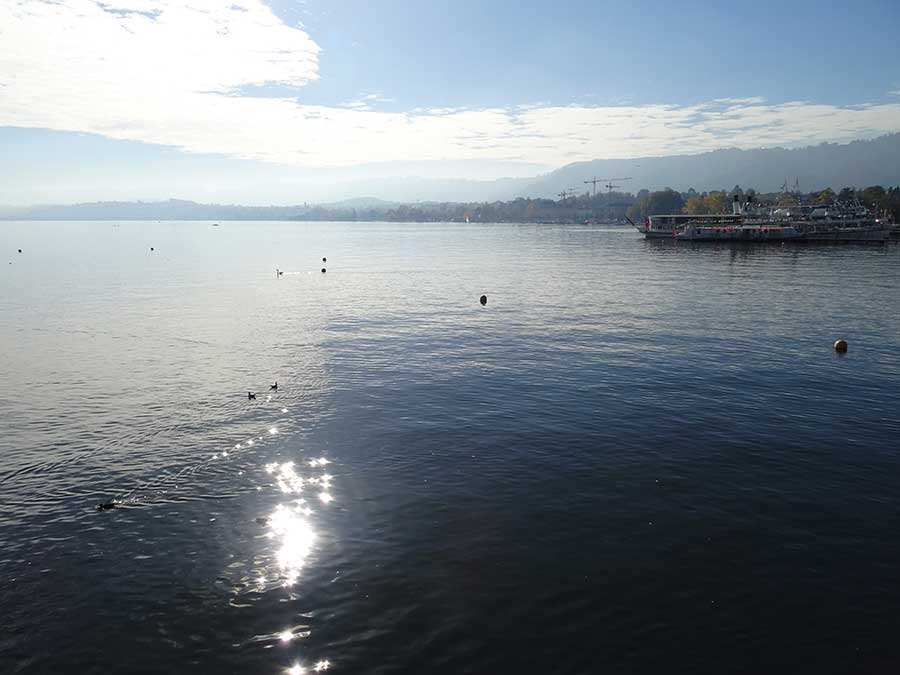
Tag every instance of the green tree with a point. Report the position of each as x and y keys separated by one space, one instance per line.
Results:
x=638 y=211
x=664 y=201
x=874 y=195
x=846 y=194
x=717 y=202
x=824 y=197
x=695 y=206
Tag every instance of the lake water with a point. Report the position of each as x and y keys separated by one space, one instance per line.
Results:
x=639 y=457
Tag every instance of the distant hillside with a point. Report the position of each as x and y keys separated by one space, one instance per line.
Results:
x=173 y=209
x=856 y=164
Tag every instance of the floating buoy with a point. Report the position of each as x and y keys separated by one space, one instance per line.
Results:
x=323 y=270
x=840 y=346
x=483 y=300
x=324 y=259
x=151 y=248
x=20 y=250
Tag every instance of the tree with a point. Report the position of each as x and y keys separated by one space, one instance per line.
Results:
x=874 y=195
x=846 y=194
x=893 y=202
x=664 y=201
x=695 y=206
x=826 y=196
x=717 y=202
x=638 y=210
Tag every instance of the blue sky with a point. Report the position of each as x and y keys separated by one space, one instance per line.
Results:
x=195 y=98
x=476 y=53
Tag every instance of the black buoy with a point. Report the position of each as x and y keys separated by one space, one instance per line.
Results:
x=20 y=250
x=251 y=396
x=483 y=300
x=323 y=270
x=151 y=248
x=324 y=259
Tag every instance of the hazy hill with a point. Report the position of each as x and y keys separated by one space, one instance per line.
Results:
x=856 y=164
x=173 y=209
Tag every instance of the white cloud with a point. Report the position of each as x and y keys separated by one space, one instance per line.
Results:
x=366 y=101
x=167 y=72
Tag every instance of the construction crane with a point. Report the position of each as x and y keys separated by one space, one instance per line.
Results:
x=593 y=181
x=565 y=194
x=606 y=182
x=609 y=183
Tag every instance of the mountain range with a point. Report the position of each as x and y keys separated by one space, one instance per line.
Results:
x=856 y=164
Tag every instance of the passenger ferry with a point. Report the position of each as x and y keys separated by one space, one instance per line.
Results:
x=668 y=226
x=835 y=222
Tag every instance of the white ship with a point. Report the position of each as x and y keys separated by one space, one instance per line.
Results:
x=747 y=222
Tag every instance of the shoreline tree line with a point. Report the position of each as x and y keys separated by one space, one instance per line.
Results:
x=602 y=207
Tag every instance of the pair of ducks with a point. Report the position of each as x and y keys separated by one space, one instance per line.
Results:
x=252 y=397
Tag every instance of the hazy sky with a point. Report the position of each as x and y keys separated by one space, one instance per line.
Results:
x=152 y=98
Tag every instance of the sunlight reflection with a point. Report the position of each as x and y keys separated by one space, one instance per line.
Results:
x=284 y=410
x=293 y=538
x=273 y=431
x=297 y=538
x=288 y=480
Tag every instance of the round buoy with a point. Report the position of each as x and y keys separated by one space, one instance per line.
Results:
x=840 y=346
x=323 y=270
x=151 y=248
x=483 y=300
x=20 y=250
x=324 y=259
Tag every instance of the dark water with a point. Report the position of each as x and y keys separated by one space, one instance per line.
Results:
x=638 y=458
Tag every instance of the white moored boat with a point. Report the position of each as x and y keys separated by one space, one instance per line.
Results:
x=836 y=222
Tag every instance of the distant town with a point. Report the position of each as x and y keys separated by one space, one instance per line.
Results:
x=592 y=205
x=612 y=206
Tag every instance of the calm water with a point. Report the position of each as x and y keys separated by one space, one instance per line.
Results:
x=640 y=457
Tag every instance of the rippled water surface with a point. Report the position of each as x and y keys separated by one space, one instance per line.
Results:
x=639 y=457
